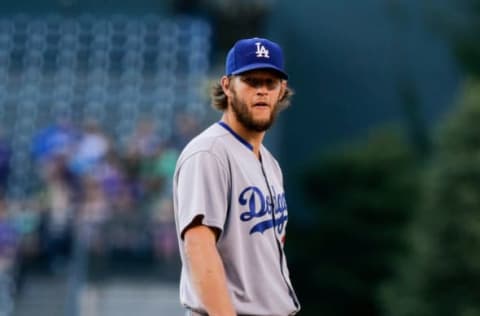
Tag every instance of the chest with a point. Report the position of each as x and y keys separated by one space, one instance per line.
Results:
x=257 y=197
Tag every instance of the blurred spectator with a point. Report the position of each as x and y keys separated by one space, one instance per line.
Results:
x=91 y=149
x=163 y=228
x=112 y=176
x=52 y=148
x=162 y=219
x=27 y=217
x=94 y=211
x=158 y=173
x=9 y=241
x=5 y=155
x=153 y=177
x=144 y=141
x=9 y=238
x=56 y=140
x=56 y=201
x=125 y=231
x=143 y=145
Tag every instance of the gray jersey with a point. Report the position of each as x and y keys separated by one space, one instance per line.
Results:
x=219 y=177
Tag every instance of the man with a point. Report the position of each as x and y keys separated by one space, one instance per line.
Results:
x=229 y=202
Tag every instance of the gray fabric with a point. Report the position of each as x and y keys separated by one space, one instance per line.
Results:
x=219 y=177
x=193 y=313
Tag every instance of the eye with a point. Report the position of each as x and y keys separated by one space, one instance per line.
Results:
x=252 y=82
x=270 y=83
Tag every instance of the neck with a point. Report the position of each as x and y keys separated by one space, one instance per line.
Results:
x=254 y=138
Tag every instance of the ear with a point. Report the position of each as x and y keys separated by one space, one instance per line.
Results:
x=283 y=90
x=226 y=82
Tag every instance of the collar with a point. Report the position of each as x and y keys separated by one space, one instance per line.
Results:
x=238 y=137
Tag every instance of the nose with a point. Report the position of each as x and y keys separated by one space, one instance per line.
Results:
x=262 y=89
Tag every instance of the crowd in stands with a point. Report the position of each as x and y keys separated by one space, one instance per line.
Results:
x=99 y=175
x=114 y=198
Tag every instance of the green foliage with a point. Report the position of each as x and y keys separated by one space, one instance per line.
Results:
x=442 y=275
x=362 y=197
x=457 y=20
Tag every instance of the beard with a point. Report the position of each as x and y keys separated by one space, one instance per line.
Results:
x=245 y=117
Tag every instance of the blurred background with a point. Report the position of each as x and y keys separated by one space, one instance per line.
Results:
x=380 y=150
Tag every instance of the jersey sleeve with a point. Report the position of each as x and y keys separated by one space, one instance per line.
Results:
x=202 y=190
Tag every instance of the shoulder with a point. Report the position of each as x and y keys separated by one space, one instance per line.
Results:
x=210 y=142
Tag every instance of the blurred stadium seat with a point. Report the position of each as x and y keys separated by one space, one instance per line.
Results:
x=114 y=66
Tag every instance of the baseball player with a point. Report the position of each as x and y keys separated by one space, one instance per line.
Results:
x=229 y=201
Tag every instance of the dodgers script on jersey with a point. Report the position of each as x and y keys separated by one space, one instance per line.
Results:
x=219 y=177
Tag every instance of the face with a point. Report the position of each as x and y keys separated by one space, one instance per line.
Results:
x=254 y=98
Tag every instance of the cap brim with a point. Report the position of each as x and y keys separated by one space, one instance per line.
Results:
x=250 y=67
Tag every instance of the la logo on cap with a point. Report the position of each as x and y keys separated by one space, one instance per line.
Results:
x=262 y=51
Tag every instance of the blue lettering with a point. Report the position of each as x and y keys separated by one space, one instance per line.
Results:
x=249 y=196
x=265 y=225
x=259 y=205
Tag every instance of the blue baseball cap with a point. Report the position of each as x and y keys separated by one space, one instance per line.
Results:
x=255 y=53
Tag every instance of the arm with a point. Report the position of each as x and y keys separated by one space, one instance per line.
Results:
x=207 y=270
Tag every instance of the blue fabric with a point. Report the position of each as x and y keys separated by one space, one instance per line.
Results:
x=240 y=139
